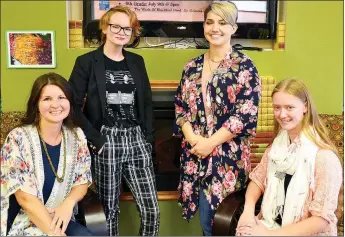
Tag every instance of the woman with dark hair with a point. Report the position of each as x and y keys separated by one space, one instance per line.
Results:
x=117 y=119
x=45 y=165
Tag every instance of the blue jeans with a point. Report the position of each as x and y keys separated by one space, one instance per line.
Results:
x=206 y=215
x=76 y=229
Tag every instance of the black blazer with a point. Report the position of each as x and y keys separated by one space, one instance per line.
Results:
x=88 y=79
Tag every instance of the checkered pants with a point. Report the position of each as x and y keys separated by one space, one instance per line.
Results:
x=127 y=154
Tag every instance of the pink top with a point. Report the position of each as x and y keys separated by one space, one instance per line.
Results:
x=323 y=201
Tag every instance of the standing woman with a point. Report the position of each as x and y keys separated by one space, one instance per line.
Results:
x=45 y=165
x=117 y=119
x=216 y=107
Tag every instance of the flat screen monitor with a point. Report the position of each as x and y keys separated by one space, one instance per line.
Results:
x=256 y=19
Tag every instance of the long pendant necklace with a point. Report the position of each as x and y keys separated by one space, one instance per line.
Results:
x=59 y=179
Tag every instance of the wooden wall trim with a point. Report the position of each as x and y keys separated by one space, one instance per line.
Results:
x=163 y=85
x=162 y=196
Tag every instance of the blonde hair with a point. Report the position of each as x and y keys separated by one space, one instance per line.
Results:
x=311 y=118
x=226 y=10
x=104 y=21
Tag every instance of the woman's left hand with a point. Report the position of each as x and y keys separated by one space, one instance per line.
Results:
x=62 y=216
x=202 y=148
x=257 y=229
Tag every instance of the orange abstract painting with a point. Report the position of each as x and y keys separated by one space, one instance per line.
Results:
x=31 y=49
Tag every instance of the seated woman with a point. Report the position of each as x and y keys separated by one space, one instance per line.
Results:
x=45 y=165
x=299 y=175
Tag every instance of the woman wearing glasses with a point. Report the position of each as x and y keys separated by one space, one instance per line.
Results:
x=113 y=93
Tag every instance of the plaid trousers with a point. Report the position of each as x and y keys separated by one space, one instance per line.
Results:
x=127 y=154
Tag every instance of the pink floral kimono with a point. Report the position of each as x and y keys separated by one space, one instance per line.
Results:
x=232 y=98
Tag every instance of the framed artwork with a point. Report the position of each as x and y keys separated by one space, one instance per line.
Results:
x=30 y=49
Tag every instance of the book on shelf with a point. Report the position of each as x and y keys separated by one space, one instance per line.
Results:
x=267 y=80
x=262 y=140
x=261 y=145
x=265 y=128
x=256 y=155
x=257 y=149
x=265 y=105
x=266 y=116
x=256 y=159
x=269 y=134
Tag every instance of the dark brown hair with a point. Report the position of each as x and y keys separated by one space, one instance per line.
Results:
x=32 y=115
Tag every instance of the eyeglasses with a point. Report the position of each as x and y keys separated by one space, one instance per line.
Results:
x=116 y=29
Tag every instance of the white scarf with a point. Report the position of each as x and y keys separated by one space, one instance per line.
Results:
x=297 y=159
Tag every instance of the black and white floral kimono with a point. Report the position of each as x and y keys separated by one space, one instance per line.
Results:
x=22 y=169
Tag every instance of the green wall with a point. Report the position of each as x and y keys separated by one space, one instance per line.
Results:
x=314 y=53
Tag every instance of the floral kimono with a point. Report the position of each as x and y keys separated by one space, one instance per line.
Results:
x=22 y=169
x=232 y=98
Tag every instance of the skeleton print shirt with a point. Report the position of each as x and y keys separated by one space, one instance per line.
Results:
x=121 y=108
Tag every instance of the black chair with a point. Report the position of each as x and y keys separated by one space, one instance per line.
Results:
x=229 y=213
x=91 y=214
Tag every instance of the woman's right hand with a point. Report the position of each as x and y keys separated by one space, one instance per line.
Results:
x=246 y=218
x=193 y=140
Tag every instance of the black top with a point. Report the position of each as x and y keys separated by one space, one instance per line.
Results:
x=49 y=179
x=286 y=185
x=89 y=88
x=120 y=106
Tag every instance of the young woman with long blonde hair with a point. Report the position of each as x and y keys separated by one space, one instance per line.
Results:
x=299 y=175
